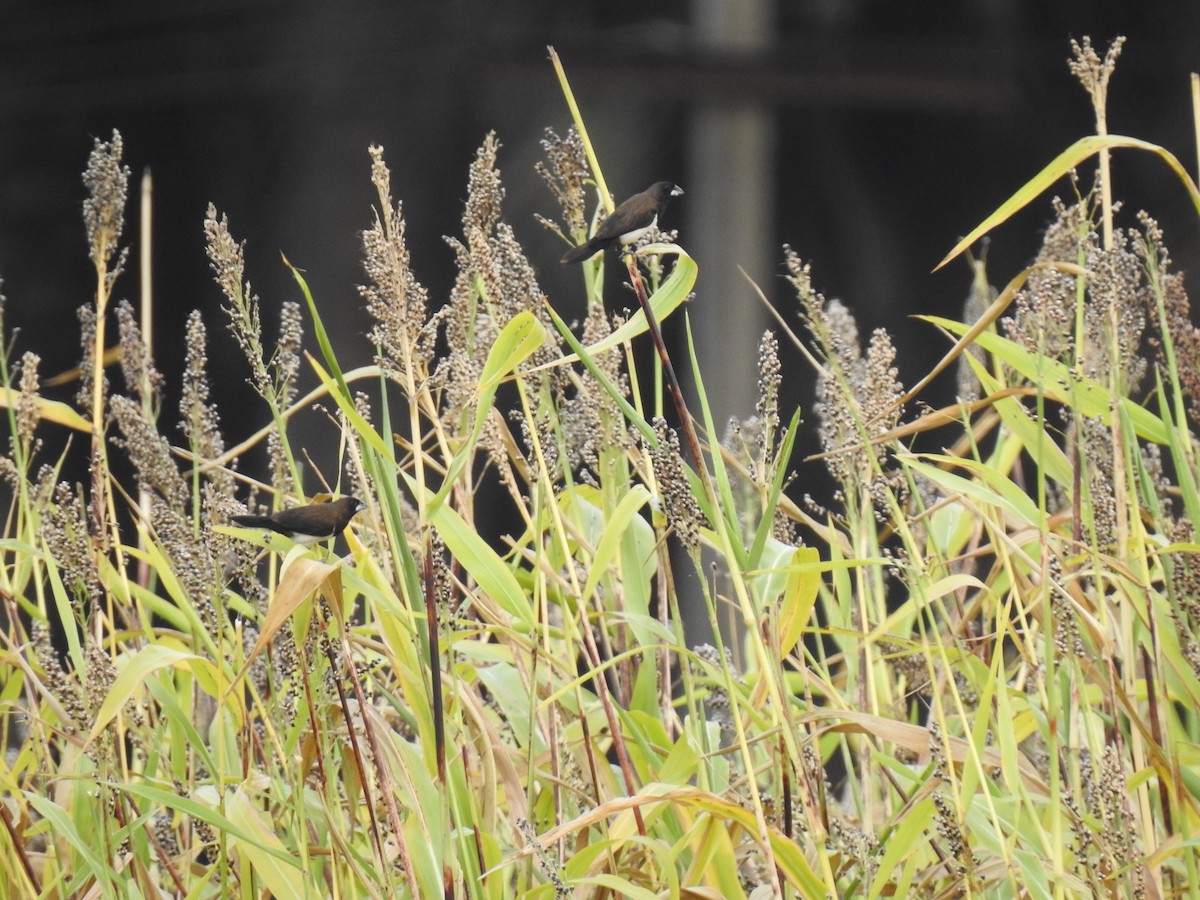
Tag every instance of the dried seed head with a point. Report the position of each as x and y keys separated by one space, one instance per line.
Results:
x=287 y=352
x=66 y=690
x=680 y=504
x=1176 y=309
x=395 y=299
x=87 y=368
x=149 y=451
x=1106 y=797
x=566 y=173
x=141 y=376
x=27 y=401
x=495 y=280
x=1092 y=71
x=198 y=419
x=1043 y=313
x=978 y=300
x=485 y=193
x=946 y=824
x=1096 y=442
x=590 y=418
x=770 y=375
x=107 y=183
x=227 y=259
x=65 y=531
x=858 y=398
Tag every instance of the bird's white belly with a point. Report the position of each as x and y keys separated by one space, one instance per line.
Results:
x=637 y=234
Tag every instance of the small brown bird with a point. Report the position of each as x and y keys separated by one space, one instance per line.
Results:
x=308 y=524
x=628 y=222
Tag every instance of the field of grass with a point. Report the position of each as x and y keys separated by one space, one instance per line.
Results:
x=976 y=673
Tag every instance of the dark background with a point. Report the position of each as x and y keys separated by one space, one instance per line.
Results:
x=895 y=128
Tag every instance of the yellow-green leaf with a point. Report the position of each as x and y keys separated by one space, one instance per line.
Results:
x=670 y=294
x=263 y=849
x=1086 y=395
x=987 y=486
x=614 y=530
x=1060 y=166
x=907 y=838
x=490 y=572
x=803 y=583
x=51 y=410
x=137 y=669
x=520 y=337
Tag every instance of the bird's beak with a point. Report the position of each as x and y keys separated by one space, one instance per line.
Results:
x=677 y=191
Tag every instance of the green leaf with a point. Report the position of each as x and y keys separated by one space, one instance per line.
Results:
x=1179 y=440
x=614 y=392
x=669 y=296
x=263 y=848
x=622 y=886
x=427 y=827
x=472 y=552
x=319 y=329
x=800 y=596
x=64 y=828
x=1034 y=882
x=1085 y=395
x=721 y=509
x=1032 y=436
x=1081 y=150
x=340 y=392
x=907 y=838
x=795 y=868
x=175 y=716
x=613 y=531
x=201 y=811
x=137 y=669
x=770 y=580
x=522 y=336
x=681 y=763
x=766 y=524
x=989 y=487
x=511 y=691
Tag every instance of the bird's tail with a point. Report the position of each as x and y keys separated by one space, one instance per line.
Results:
x=577 y=254
x=252 y=521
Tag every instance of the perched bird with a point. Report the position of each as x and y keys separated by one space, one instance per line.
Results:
x=308 y=524
x=628 y=222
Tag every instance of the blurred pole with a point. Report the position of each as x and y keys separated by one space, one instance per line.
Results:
x=729 y=209
x=728 y=219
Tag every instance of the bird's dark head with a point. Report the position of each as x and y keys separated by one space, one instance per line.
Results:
x=351 y=505
x=665 y=190
x=341 y=510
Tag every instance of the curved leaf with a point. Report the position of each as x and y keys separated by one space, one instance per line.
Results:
x=50 y=410
x=137 y=669
x=490 y=572
x=264 y=850
x=800 y=596
x=517 y=341
x=1059 y=383
x=669 y=296
x=1060 y=166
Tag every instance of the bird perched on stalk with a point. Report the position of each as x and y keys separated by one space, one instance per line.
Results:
x=309 y=524
x=628 y=222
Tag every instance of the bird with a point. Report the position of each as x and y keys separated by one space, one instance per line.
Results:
x=307 y=525
x=628 y=222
